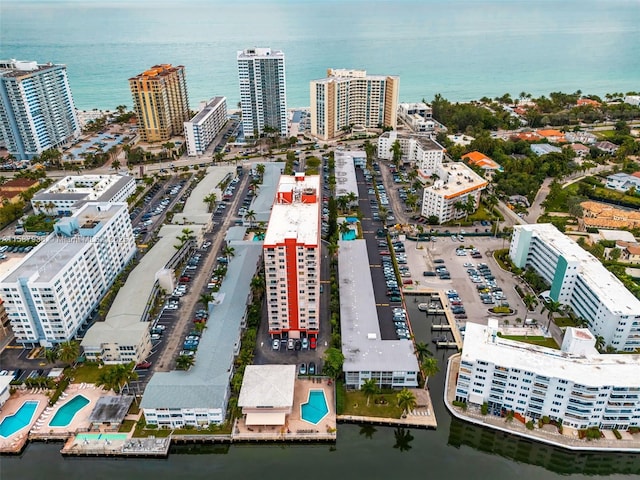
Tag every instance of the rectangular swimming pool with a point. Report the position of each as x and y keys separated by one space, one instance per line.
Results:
x=19 y=420
x=102 y=436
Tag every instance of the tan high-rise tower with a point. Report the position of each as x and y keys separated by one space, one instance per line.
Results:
x=161 y=102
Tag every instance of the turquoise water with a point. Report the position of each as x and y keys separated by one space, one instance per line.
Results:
x=65 y=413
x=316 y=407
x=102 y=436
x=460 y=48
x=350 y=235
x=18 y=420
x=258 y=237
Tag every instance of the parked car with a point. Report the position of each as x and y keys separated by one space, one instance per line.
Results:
x=312 y=368
x=303 y=369
x=291 y=344
x=144 y=365
x=312 y=344
x=275 y=344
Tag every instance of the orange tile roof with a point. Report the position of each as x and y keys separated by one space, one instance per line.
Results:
x=550 y=133
x=528 y=136
x=475 y=156
x=587 y=101
x=636 y=174
x=480 y=160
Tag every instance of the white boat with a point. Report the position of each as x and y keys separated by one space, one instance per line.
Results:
x=423 y=307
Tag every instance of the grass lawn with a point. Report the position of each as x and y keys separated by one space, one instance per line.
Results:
x=127 y=426
x=605 y=134
x=355 y=403
x=85 y=373
x=557 y=201
x=165 y=432
x=565 y=322
x=534 y=340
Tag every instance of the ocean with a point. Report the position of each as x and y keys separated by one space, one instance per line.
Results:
x=462 y=49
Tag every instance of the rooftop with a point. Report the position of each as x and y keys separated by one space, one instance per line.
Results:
x=596 y=369
x=259 y=52
x=206 y=384
x=84 y=187
x=195 y=209
x=21 y=68
x=209 y=107
x=157 y=71
x=267 y=386
x=480 y=160
x=362 y=345
x=292 y=216
x=50 y=256
x=345 y=171
x=456 y=179
x=604 y=284
x=263 y=201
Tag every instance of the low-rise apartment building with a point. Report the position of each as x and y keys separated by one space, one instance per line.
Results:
x=456 y=185
x=68 y=194
x=580 y=281
x=419 y=150
x=576 y=385
x=417 y=116
x=203 y=128
x=56 y=288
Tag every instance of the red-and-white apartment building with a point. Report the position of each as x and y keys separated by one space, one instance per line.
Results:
x=292 y=258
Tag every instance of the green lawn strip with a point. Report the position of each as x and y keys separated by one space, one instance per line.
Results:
x=140 y=432
x=534 y=340
x=565 y=322
x=356 y=404
x=86 y=373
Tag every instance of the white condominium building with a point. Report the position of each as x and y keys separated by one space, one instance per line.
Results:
x=203 y=128
x=36 y=108
x=263 y=91
x=345 y=172
x=67 y=195
x=455 y=186
x=418 y=117
x=422 y=151
x=292 y=258
x=54 y=290
x=579 y=280
x=352 y=98
x=575 y=385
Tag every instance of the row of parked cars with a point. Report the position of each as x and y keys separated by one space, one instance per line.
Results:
x=400 y=323
x=14 y=249
x=457 y=307
x=488 y=289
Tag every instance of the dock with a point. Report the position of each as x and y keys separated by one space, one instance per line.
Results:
x=446 y=345
x=440 y=328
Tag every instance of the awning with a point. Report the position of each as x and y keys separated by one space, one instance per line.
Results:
x=476 y=399
x=274 y=418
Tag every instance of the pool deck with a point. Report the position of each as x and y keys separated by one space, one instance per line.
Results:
x=295 y=429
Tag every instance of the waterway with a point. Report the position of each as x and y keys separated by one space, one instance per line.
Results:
x=455 y=450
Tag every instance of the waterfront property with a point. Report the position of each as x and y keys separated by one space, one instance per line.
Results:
x=56 y=287
x=579 y=280
x=292 y=258
x=576 y=387
x=351 y=98
x=263 y=91
x=36 y=107
x=67 y=195
x=392 y=363
x=417 y=116
x=315 y=408
x=266 y=396
x=161 y=102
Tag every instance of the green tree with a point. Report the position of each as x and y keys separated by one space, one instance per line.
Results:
x=396 y=153
x=429 y=368
x=333 y=360
x=422 y=351
x=406 y=400
x=205 y=299
x=51 y=355
x=370 y=151
x=530 y=301
x=184 y=362
x=251 y=216
x=369 y=388
x=344 y=228
x=69 y=351
x=210 y=200
x=229 y=252
x=551 y=307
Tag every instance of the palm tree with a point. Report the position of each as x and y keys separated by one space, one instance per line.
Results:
x=205 y=298
x=369 y=388
x=459 y=207
x=251 y=216
x=185 y=362
x=599 y=343
x=257 y=284
x=530 y=301
x=210 y=200
x=51 y=355
x=551 y=307
x=422 y=351
x=351 y=198
x=370 y=151
x=228 y=252
x=344 y=228
x=116 y=377
x=332 y=248
x=260 y=169
x=429 y=368
x=69 y=351
x=115 y=165
x=396 y=152
x=342 y=203
x=406 y=400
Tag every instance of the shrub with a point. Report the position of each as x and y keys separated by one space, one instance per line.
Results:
x=485 y=408
x=462 y=405
x=529 y=425
x=617 y=434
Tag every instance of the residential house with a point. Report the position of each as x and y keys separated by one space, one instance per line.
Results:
x=480 y=160
x=554 y=136
x=580 y=150
x=607 y=147
x=544 y=148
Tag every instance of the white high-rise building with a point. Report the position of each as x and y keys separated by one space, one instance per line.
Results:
x=348 y=98
x=203 y=128
x=263 y=91
x=292 y=258
x=36 y=108
x=575 y=385
x=579 y=280
x=54 y=290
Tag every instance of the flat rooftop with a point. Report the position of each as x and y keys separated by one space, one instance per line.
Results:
x=362 y=346
x=297 y=219
x=610 y=291
x=456 y=179
x=209 y=107
x=51 y=255
x=597 y=369
x=263 y=201
x=345 y=172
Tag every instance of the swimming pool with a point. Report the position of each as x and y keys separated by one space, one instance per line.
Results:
x=316 y=407
x=102 y=436
x=350 y=235
x=65 y=414
x=19 y=420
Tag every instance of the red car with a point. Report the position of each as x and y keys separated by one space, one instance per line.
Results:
x=185 y=279
x=144 y=365
x=312 y=343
